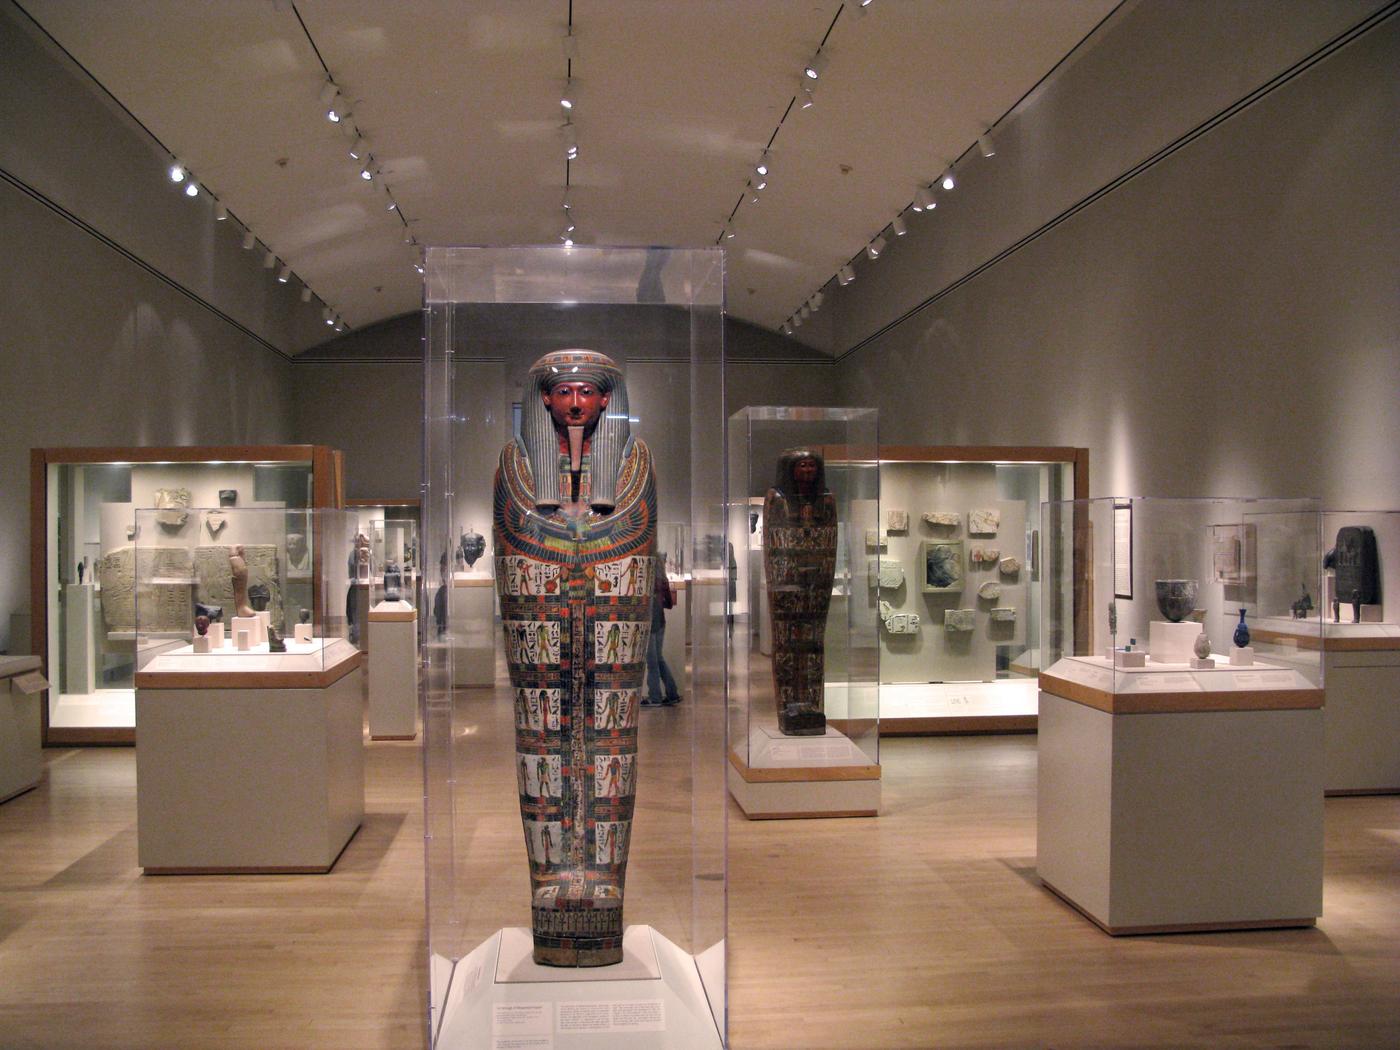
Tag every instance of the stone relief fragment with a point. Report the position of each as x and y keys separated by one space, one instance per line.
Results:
x=984 y=555
x=1010 y=566
x=1004 y=614
x=984 y=522
x=991 y=590
x=897 y=521
x=172 y=507
x=943 y=519
x=891 y=575
x=959 y=619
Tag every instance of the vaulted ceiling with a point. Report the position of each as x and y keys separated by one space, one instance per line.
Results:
x=459 y=105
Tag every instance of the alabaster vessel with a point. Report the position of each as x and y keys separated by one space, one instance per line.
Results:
x=1176 y=598
x=574 y=547
x=799 y=566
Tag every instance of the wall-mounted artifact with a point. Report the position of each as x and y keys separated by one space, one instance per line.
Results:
x=903 y=623
x=991 y=591
x=228 y=497
x=298 y=553
x=799 y=567
x=214 y=522
x=984 y=522
x=1241 y=637
x=942 y=562
x=984 y=555
x=897 y=521
x=891 y=575
x=1003 y=614
x=131 y=531
x=1302 y=605
x=1176 y=598
x=875 y=539
x=1357 y=564
x=172 y=507
x=575 y=502
x=1009 y=566
x=943 y=519
x=959 y=620
x=472 y=545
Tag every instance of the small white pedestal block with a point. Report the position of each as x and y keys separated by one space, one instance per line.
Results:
x=471 y=624
x=21 y=750
x=248 y=762
x=1172 y=643
x=79 y=667
x=785 y=777
x=1181 y=801
x=393 y=671
x=1242 y=656
x=655 y=998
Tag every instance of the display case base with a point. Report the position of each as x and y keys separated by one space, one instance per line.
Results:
x=937 y=708
x=654 y=999
x=393 y=674
x=21 y=754
x=789 y=777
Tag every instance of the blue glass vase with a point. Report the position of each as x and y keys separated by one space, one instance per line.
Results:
x=1241 y=632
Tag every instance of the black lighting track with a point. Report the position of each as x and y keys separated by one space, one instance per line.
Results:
x=141 y=263
x=1206 y=126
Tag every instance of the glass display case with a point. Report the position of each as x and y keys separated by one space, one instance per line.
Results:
x=575 y=876
x=973 y=512
x=804 y=696
x=193 y=569
x=84 y=524
x=1180 y=738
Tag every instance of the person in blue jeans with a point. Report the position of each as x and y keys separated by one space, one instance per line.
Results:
x=658 y=673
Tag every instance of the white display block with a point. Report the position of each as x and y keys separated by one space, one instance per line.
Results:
x=1181 y=801
x=252 y=625
x=79 y=611
x=1242 y=656
x=1172 y=643
x=302 y=632
x=803 y=776
x=238 y=772
x=471 y=621
x=393 y=671
x=200 y=643
x=21 y=749
x=216 y=635
x=594 y=1008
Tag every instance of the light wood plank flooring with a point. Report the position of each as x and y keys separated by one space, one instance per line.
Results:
x=924 y=927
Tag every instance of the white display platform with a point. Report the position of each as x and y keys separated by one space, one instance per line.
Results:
x=249 y=762
x=1361 y=675
x=21 y=745
x=578 y=1008
x=106 y=707
x=803 y=776
x=79 y=620
x=393 y=671
x=1007 y=705
x=1172 y=643
x=1181 y=800
x=471 y=623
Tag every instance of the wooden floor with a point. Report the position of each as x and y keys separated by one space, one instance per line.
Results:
x=924 y=927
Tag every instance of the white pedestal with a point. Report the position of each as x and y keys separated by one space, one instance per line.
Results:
x=21 y=749
x=1172 y=643
x=471 y=625
x=79 y=665
x=216 y=636
x=1363 y=721
x=393 y=671
x=1242 y=656
x=248 y=771
x=785 y=777
x=1200 y=809
x=252 y=625
x=302 y=632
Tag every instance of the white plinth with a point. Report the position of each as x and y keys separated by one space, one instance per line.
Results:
x=1363 y=721
x=21 y=749
x=79 y=665
x=1242 y=656
x=1201 y=809
x=238 y=772
x=393 y=672
x=1172 y=643
x=253 y=625
x=594 y=1008
x=471 y=624
x=783 y=777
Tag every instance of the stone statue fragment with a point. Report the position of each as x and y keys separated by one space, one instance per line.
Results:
x=959 y=620
x=943 y=519
x=1357 y=565
x=172 y=507
x=1009 y=566
x=991 y=590
x=897 y=521
x=214 y=522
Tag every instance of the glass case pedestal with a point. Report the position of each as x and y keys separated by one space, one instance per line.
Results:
x=393 y=671
x=21 y=748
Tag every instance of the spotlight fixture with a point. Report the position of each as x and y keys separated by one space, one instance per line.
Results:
x=817 y=299
x=797 y=320
x=366 y=173
x=407 y=237
x=570 y=141
x=568 y=242
x=339 y=324
x=948 y=182
x=220 y=211
x=249 y=240
x=306 y=293
x=763 y=162
x=897 y=224
x=875 y=247
x=326 y=314
x=566 y=100
x=332 y=115
x=923 y=200
x=729 y=231
x=570 y=44
x=177 y=173
x=786 y=329
x=269 y=261
x=191 y=189
x=359 y=148
x=814 y=68
x=418 y=267
x=805 y=312
x=846 y=274
x=762 y=184
x=328 y=92
x=393 y=204
x=285 y=274
x=806 y=93
x=330 y=317
x=984 y=143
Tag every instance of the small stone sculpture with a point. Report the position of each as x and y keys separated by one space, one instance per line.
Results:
x=298 y=553
x=991 y=590
x=1303 y=605
x=304 y=616
x=1003 y=614
x=1357 y=566
x=1176 y=598
x=472 y=544
x=259 y=596
x=82 y=568
x=238 y=570
x=942 y=519
x=903 y=623
x=201 y=625
x=891 y=575
x=875 y=538
x=214 y=522
x=275 y=642
x=228 y=497
x=984 y=522
x=1202 y=644
x=1009 y=566
x=393 y=581
x=172 y=507
x=897 y=521
x=1241 y=638
x=215 y=613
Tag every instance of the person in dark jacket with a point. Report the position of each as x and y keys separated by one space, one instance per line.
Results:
x=658 y=673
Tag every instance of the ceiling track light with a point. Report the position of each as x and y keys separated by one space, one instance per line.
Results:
x=786 y=329
x=269 y=261
x=326 y=314
x=359 y=149
x=329 y=91
x=367 y=173
x=248 y=240
x=948 y=182
x=807 y=90
x=285 y=274
x=191 y=189
x=763 y=163
x=923 y=200
x=816 y=66
x=570 y=141
x=177 y=173
x=984 y=143
x=306 y=293
x=805 y=312
x=874 y=248
x=220 y=211
x=797 y=320
x=566 y=100
x=570 y=44
x=897 y=224
x=817 y=299
x=339 y=324
x=418 y=267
